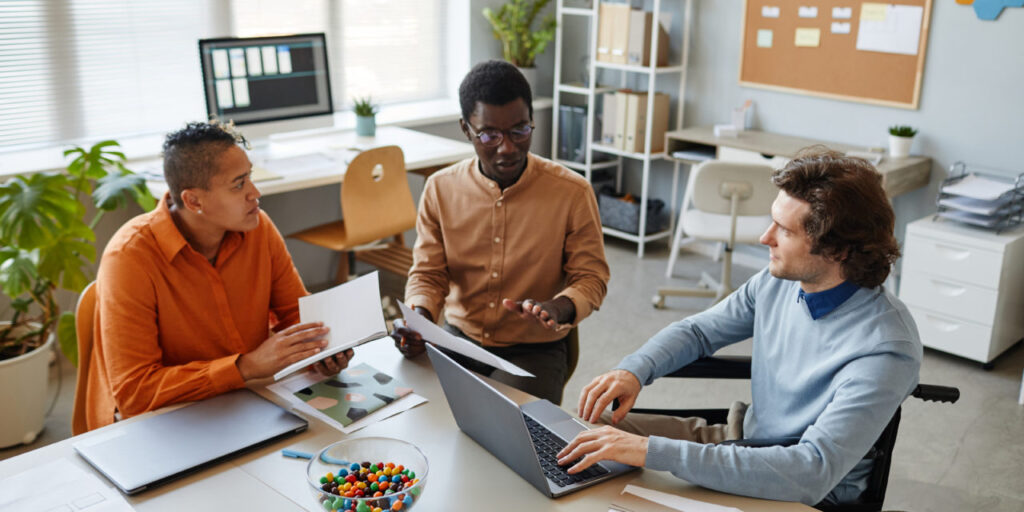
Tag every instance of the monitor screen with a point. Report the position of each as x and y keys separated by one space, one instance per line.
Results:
x=258 y=79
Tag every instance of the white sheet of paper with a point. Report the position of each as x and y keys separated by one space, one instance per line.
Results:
x=287 y=387
x=897 y=31
x=842 y=13
x=979 y=187
x=676 y=502
x=34 y=491
x=764 y=38
x=769 y=11
x=438 y=336
x=840 y=27
x=351 y=310
x=807 y=12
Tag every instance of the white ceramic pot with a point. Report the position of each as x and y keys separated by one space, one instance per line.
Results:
x=23 y=394
x=899 y=147
x=531 y=78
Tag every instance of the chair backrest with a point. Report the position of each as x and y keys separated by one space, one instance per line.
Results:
x=375 y=198
x=85 y=313
x=710 y=185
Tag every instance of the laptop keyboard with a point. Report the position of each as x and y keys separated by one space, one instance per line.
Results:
x=548 y=445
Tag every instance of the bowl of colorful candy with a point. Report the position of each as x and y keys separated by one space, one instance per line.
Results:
x=368 y=474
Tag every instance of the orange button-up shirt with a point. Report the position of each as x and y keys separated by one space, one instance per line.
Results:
x=477 y=244
x=170 y=325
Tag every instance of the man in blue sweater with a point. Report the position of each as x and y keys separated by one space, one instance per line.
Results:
x=834 y=352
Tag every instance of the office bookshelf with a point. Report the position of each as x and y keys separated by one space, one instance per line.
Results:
x=591 y=91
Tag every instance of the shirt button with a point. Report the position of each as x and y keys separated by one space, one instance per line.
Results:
x=497 y=239
x=498 y=203
x=494 y=275
x=487 y=335
x=490 y=305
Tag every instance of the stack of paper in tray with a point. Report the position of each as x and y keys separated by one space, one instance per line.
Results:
x=983 y=201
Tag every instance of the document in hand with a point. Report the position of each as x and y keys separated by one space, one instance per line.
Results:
x=442 y=338
x=351 y=310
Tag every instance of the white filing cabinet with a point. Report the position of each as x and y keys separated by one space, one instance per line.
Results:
x=965 y=287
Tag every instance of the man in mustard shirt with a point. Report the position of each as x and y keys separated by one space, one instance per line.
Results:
x=509 y=243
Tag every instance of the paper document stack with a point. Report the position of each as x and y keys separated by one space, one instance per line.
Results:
x=981 y=199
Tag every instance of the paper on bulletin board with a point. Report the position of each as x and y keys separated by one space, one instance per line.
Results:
x=764 y=38
x=890 y=28
x=809 y=37
x=805 y=11
x=770 y=11
x=842 y=13
x=840 y=27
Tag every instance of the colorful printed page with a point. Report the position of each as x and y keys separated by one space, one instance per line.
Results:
x=353 y=394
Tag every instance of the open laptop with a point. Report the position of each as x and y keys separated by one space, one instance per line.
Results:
x=526 y=438
x=142 y=454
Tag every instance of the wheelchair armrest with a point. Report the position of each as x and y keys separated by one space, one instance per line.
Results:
x=766 y=441
x=930 y=392
x=719 y=367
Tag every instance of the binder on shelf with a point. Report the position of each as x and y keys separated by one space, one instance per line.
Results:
x=564 y=129
x=621 y=114
x=618 y=43
x=638 y=51
x=579 y=128
x=636 y=122
x=981 y=197
x=604 y=32
x=608 y=119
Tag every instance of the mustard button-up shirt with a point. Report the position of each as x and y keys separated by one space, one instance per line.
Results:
x=477 y=244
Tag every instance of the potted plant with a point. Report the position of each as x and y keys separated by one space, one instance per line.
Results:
x=900 y=139
x=520 y=43
x=46 y=243
x=366 y=121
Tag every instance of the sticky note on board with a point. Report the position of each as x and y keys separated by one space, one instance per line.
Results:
x=808 y=37
x=764 y=38
x=840 y=27
x=842 y=13
x=870 y=11
x=807 y=12
x=769 y=11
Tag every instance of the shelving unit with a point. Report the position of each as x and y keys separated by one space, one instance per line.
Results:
x=592 y=90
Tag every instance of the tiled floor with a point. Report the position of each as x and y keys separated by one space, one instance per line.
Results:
x=963 y=457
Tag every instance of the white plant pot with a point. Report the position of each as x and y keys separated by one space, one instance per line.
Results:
x=531 y=78
x=23 y=394
x=899 y=147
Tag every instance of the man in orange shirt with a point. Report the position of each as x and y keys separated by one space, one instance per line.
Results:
x=187 y=291
x=508 y=242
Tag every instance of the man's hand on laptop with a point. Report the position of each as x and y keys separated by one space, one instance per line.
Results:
x=408 y=341
x=554 y=314
x=291 y=344
x=603 y=390
x=605 y=443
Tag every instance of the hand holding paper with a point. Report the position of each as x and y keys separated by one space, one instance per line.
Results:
x=438 y=336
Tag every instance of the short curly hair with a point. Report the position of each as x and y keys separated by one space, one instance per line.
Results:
x=850 y=218
x=190 y=154
x=493 y=82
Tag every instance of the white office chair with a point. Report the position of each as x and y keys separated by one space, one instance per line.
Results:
x=731 y=203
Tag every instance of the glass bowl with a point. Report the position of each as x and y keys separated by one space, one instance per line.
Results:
x=404 y=466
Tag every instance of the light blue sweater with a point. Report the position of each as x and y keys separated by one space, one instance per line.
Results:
x=834 y=382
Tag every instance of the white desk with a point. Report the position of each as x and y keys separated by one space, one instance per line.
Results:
x=423 y=152
x=461 y=472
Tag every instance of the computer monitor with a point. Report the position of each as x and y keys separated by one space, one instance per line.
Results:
x=262 y=79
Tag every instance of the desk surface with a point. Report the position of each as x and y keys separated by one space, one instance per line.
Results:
x=460 y=470
x=321 y=158
x=900 y=175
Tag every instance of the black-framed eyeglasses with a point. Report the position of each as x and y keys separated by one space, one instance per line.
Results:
x=492 y=137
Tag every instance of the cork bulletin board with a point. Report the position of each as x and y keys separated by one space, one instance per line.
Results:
x=871 y=52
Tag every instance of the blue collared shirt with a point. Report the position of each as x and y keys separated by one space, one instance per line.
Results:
x=824 y=302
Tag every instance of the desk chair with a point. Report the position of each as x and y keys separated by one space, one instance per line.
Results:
x=85 y=313
x=375 y=204
x=731 y=204
x=738 y=367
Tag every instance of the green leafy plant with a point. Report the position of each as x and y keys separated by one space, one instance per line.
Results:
x=364 y=107
x=46 y=240
x=520 y=44
x=902 y=130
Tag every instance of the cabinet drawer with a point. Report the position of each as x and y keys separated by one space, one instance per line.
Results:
x=753 y=157
x=966 y=301
x=940 y=258
x=948 y=334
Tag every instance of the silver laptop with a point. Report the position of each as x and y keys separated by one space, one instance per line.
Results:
x=142 y=454
x=526 y=438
